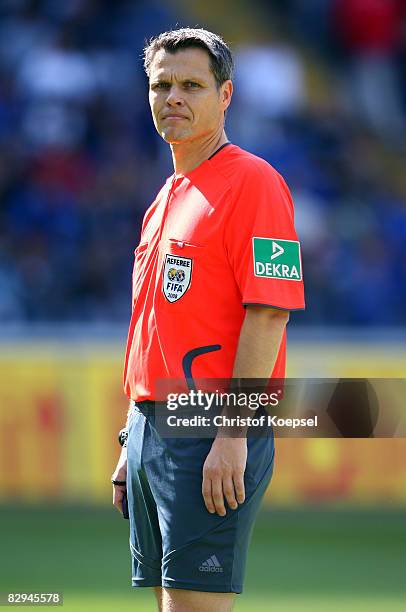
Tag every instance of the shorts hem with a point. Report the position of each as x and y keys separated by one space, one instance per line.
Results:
x=196 y=586
x=136 y=582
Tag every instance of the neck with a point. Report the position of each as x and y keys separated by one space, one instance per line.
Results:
x=187 y=156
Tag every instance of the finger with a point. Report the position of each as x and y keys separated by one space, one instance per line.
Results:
x=228 y=492
x=217 y=495
x=118 y=494
x=206 y=492
x=239 y=487
x=116 y=498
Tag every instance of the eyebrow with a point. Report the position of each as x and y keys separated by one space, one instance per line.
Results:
x=168 y=79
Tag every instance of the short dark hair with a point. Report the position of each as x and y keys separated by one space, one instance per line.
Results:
x=221 y=59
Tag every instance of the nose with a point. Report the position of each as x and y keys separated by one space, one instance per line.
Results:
x=174 y=97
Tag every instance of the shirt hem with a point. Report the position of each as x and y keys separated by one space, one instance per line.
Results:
x=267 y=305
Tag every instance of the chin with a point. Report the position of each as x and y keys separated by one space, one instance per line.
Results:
x=171 y=137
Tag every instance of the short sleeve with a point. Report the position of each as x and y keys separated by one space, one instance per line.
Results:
x=261 y=241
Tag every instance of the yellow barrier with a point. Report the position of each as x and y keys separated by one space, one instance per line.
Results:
x=339 y=470
x=61 y=411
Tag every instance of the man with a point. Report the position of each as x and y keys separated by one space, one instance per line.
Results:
x=215 y=275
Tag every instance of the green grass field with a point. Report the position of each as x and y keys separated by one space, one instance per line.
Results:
x=304 y=560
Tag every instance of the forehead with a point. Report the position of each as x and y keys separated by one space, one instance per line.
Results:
x=185 y=62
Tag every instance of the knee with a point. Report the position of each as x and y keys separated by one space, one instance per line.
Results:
x=183 y=600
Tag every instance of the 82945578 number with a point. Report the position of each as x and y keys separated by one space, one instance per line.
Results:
x=31 y=598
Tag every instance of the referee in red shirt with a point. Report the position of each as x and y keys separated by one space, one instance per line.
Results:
x=216 y=273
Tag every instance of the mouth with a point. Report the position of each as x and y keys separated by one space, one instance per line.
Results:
x=174 y=117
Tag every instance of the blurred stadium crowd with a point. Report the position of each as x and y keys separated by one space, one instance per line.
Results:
x=320 y=92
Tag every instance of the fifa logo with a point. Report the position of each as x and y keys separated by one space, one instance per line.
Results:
x=176 y=275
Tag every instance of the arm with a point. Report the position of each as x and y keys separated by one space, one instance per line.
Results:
x=259 y=342
x=258 y=346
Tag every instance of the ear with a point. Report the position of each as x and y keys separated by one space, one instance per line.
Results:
x=226 y=94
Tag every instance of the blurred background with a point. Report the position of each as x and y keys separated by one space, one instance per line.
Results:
x=320 y=93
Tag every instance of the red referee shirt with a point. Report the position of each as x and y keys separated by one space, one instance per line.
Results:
x=214 y=240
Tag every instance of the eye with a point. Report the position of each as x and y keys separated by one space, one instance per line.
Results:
x=161 y=85
x=191 y=85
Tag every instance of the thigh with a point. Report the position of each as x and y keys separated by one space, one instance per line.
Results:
x=203 y=551
x=145 y=535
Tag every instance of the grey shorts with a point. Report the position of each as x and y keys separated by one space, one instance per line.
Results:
x=174 y=541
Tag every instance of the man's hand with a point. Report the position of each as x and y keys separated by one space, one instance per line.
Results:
x=223 y=474
x=120 y=473
x=258 y=346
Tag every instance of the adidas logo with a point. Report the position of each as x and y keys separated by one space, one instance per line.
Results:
x=211 y=565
